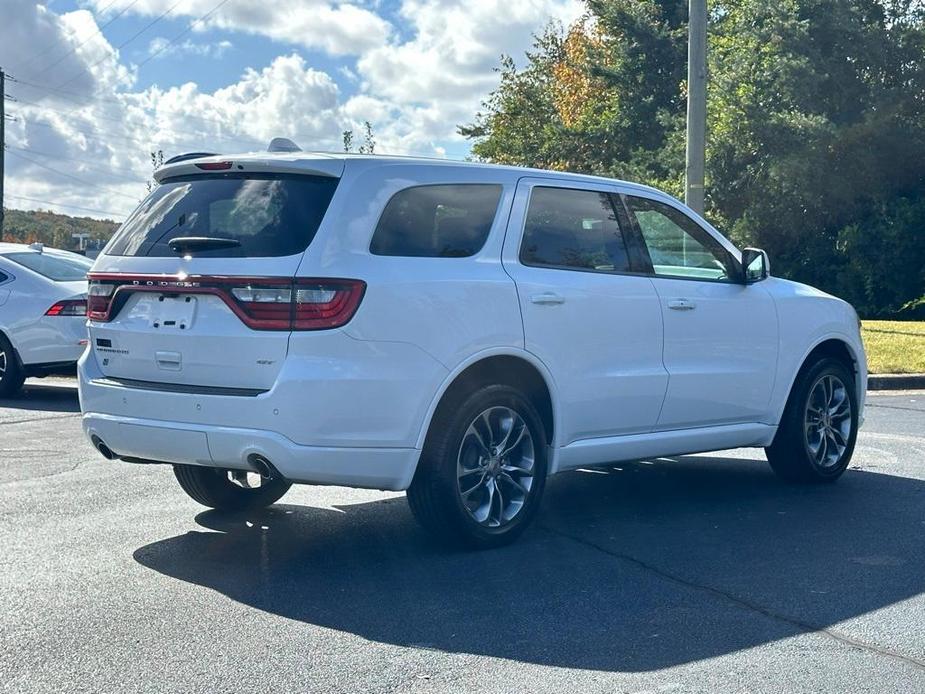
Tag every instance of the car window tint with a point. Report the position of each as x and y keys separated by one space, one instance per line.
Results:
x=3 y=277
x=58 y=268
x=268 y=214
x=437 y=221
x=677 y=245
x=573 y=229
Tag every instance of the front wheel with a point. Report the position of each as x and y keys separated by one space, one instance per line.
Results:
x=229 y=490
x=483 y=469
x=817 y=433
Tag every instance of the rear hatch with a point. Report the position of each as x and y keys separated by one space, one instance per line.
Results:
x=196 y=289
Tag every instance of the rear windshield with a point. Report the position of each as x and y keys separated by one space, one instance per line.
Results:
x=268 y=214
x=59 y=268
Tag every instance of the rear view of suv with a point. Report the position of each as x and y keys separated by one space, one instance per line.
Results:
x=458 y=331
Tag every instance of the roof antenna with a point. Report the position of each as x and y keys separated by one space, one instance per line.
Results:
x=283 y=144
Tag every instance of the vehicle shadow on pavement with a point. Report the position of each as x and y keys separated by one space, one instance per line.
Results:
x=41 y=398
x=632 y=567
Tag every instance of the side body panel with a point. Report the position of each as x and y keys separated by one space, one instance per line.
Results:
x=601 y=339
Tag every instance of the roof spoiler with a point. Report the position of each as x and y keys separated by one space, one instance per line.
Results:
x=189 y=155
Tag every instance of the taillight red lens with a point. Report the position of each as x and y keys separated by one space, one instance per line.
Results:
x=269 y=303
x=99 y=297
x=70 y=307
x=321 y=304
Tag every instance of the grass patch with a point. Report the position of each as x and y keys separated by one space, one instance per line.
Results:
x=894 y=347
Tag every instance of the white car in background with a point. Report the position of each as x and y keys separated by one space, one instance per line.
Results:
x=43 y=312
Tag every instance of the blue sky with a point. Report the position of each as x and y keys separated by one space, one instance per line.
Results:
x=101 y=83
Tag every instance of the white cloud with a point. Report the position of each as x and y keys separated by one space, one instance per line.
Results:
x=161 y=47
x=337 y=28
x=415 y=88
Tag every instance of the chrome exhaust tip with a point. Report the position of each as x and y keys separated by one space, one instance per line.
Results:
x=263 y=466
x=104 y=450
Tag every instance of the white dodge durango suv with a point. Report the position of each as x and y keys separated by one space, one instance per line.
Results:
x=456 y=330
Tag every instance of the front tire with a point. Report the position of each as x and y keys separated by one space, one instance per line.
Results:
x=228 y=490
x=816 y=436
x=483 y=469
x=11 y=375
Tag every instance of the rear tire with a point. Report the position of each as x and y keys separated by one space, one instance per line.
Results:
x=482 y=472
x=212 y=487
x=11 y=375
x=816 y=436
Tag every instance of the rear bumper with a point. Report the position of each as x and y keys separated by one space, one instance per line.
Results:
x=229 y=447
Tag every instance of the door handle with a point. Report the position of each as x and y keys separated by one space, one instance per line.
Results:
x=681 y=305
x=547 y=298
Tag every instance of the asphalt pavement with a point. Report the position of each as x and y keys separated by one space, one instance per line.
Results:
x=693 y=574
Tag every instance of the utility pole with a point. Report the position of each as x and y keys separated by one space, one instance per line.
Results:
x=2 y=142
x=696 y=105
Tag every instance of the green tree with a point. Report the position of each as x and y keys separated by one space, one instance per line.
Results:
x=816 y=125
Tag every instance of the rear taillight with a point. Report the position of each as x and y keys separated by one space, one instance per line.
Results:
x=70 y=307
x=99 y=296
x=323 y=304
x=261 y=303
x=300 y=305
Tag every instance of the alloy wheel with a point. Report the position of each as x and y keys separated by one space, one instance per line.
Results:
x=495 y=466
x=827 y=421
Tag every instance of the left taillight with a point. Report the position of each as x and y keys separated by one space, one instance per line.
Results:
x=99 y=296
x=70 y=307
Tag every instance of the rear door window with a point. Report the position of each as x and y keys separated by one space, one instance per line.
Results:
x=573 y=229
x=58 y=268
x=269 y=215
x=437 y=221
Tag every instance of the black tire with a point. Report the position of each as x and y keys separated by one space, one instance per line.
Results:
x=211 y=487
x=791 y=454
x=435 y=496
x=11 y=375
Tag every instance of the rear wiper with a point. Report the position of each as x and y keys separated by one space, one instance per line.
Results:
x=187 y=244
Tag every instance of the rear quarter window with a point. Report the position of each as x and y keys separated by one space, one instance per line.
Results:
x=268 y=214
x=437 y=221
x=58 y=268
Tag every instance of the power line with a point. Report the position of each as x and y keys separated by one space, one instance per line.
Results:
x=75 y=113
x=74 y=49
x=84 y=100
x=134 y=36
x=181 y=34
x=61 y=204
x=82 y=162
x=73 y=177
x=103 y=140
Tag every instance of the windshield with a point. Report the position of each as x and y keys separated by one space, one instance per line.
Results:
x=59 y=268
x=267 y=214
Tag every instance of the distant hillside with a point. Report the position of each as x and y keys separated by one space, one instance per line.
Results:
x=53 y=229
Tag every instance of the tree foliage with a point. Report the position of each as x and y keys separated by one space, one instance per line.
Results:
x=52 y=229
x=816 y=126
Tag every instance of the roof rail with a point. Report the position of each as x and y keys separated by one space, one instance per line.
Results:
x=189 y=155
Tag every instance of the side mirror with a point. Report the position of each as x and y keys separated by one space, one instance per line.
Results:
x=755 y=265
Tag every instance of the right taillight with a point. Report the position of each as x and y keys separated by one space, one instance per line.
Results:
x=321 y=304
x=310 y=304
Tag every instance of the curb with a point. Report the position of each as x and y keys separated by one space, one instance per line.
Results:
x=896 y=382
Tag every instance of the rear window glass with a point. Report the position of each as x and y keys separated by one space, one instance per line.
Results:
x=438 y=221
x=59 y=268
x=268 y=214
